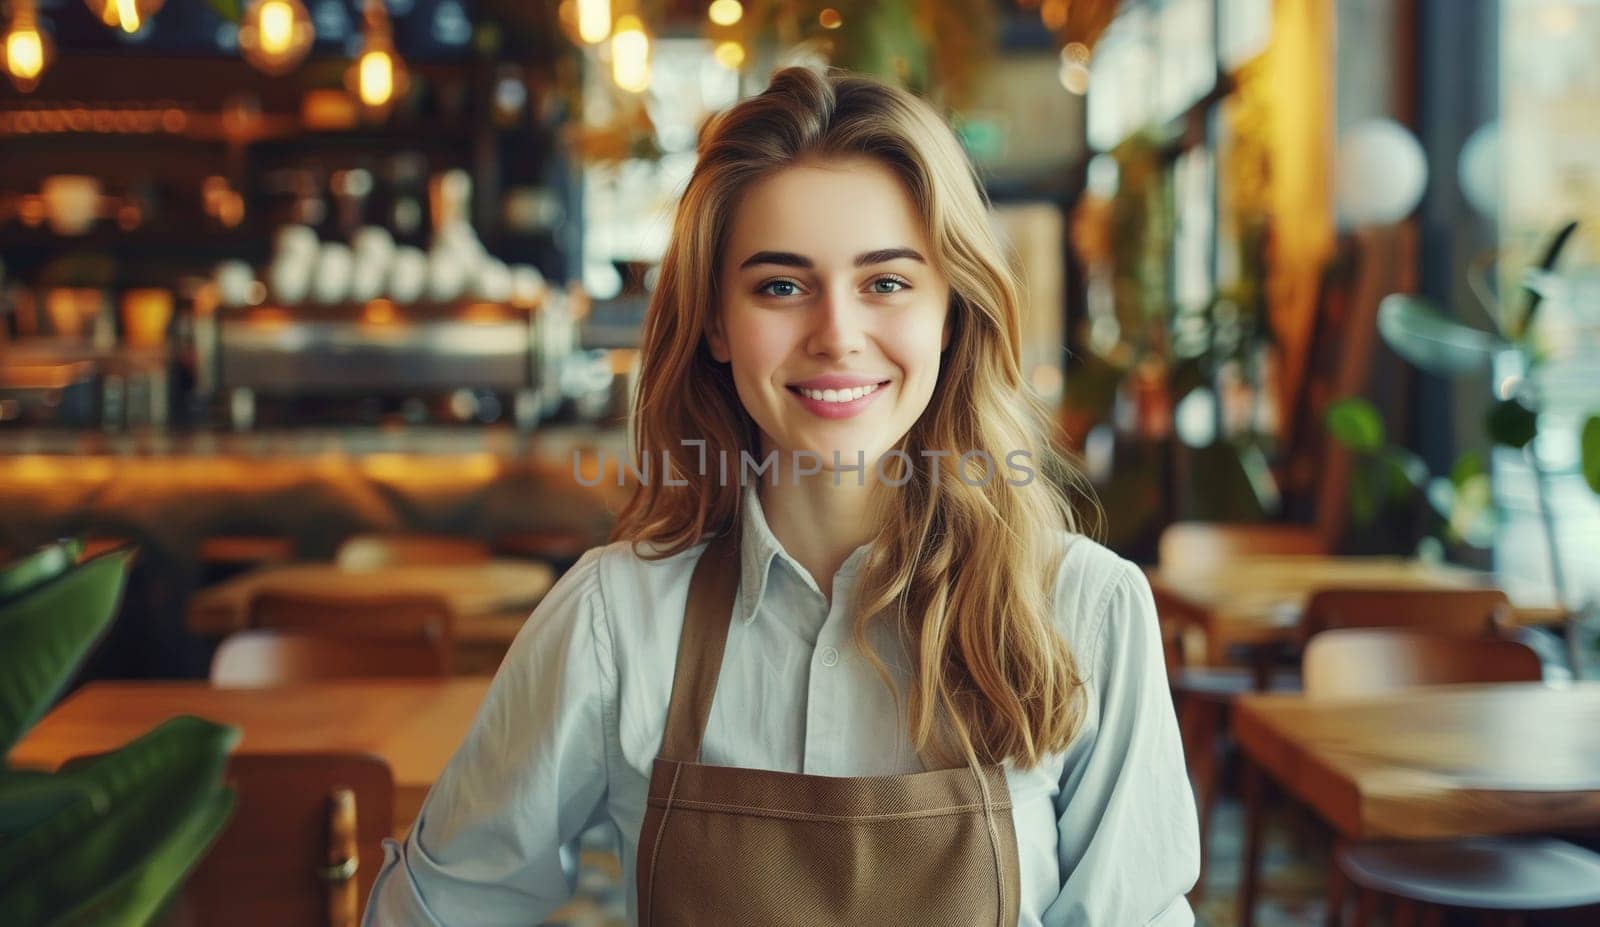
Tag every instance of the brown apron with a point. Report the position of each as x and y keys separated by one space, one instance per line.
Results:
x=723 y=845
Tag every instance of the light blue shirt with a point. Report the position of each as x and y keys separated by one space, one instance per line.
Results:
x=1106 y=830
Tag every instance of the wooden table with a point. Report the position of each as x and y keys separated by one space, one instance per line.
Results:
x=414 y=724
x=1439 y=762
x=1254 y=601
x=491 y=600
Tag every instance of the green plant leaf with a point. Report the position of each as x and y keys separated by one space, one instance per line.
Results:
x=1441 y=495
x=1406 y=473
x=46 y=633
x=144 y=889
x=144 y=793
x=1424 y=336
x=1511 y=423
x=29 y=796
x=1468 y=465
x=1552 y=252
x=37 y=567
x=1590 y=454
x=1473 y=517
x=1363 y=495
x=1356 y=424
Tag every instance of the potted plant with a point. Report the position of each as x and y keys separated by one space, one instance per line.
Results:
x=109 y=840
x=1432 y=340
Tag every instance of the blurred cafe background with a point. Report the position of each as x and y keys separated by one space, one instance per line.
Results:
x=318 y=332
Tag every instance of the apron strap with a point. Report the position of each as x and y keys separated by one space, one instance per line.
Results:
x=705 y=634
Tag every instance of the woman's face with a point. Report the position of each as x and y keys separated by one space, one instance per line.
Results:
x=832 y=312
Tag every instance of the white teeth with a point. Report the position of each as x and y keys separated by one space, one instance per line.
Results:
x=839 y=395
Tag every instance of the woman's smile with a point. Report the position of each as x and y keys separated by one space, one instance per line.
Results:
x=845 y=402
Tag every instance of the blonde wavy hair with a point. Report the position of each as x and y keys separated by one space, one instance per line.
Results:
x=966 y=572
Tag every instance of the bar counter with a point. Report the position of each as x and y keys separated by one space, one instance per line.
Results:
x=169 y=492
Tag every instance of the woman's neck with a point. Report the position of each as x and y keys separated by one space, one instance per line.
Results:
x=818 y=524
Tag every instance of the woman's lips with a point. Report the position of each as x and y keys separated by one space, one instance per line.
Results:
x=837 y=409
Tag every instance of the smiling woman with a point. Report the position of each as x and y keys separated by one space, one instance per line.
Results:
x=833 y=329
x=911 y=696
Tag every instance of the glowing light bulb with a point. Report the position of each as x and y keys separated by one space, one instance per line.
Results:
x=276 y=25
x=377 y=78
x=276 y=35
x=725 y=12
x=594 y=20
x=25 y=54
x=127 y=15
x=27 y=50
x=630 y=55
x=127 y=12
x=729 y=54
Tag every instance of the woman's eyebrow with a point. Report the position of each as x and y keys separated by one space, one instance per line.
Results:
x=790 y=259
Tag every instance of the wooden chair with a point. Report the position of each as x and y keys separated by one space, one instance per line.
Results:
x=1459 y=612
x=373 y=551
x=303 y=846
x=424 y=619
x=1203 y=694
x=275 y=658
x=1369 y=661
x=1490 y=874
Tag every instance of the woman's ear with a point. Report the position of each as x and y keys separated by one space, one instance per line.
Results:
x=716 y=340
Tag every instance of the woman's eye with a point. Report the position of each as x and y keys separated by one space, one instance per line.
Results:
x=779 y=288
x=886 y=285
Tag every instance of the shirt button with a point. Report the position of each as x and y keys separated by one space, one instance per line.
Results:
x=830 y=657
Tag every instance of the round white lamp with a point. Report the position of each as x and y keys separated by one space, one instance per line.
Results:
x=1380 y=174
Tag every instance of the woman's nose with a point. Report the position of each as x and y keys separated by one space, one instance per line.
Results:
x=836 y=325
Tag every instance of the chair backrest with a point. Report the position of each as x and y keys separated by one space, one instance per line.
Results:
x=267 y=657
x=400 y=617
x=281 y=859
x=1462 y=612
x=1201 y=544
x=1204 y=546
x=1372 y=661
x=372 y=551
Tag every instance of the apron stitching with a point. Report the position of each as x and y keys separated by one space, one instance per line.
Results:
x=655 y=852
x=887 y=817
x=994 y=846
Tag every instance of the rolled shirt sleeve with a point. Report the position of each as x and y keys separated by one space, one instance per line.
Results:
x=495 y=840
x=1128 y=834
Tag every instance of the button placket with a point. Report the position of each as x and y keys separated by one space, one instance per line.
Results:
x=824 y=714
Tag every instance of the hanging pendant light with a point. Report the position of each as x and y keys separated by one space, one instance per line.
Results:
x=630 y=54
x=378 y=76
x=127 y=15
x=276 y=35
x=27 y=48
x=594 y=20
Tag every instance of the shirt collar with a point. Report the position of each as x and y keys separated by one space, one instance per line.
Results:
x=759 y=548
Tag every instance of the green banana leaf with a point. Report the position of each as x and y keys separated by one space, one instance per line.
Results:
x=46 y=634
x=140 y=893
x=1420 y=333
x=40 y=566
x=29 y=796
x=1589 y=443
x=116 y=856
